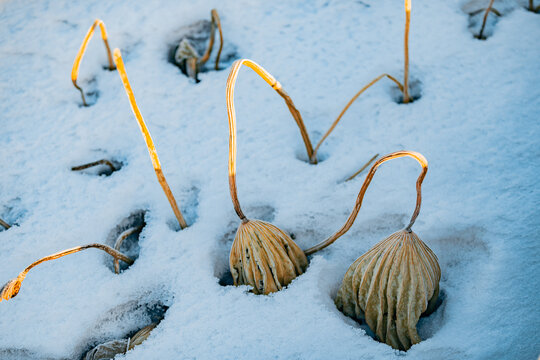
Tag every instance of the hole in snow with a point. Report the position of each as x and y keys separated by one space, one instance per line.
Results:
x=125 y=238
x=10 y=215
x=113 y=333
x=194 y=38
x=415 y=91
x=301 y=155
x=188 y=207
x=91 y=92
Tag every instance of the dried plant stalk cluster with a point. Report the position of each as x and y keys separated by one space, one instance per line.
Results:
x=82 y=49
x=265 y=257
x=187 y=57
x=390 y=286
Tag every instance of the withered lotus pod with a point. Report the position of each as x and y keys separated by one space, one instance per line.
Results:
x=112 y=348
x=396 y=281
x=265 y=257
x=12 y=287
x=390 y=286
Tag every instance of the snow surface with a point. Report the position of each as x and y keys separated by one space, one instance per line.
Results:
x=477 y=122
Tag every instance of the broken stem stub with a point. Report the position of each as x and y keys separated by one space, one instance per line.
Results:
x=415 y=155
x=95 y=163
x=82 y=49
x=148 y=139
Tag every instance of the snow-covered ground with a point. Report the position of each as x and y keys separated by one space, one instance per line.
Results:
x=477 y=122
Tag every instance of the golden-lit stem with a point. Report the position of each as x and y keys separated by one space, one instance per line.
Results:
x=362 y=168
x=4 y=224
x=119 y=242
x=11 y=289
x=231 y=81
x=215 y=18
x=406 y=98
x=481 y=33
x=276 y=85
x=95 y=163
x=418 y=157
x=82 y=49
x=353 y=99
x=147 y=138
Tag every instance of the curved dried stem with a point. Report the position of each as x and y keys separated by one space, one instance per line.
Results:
x=82 y=49
x=4 y=224
x=362 y=168
x=276 y=85
x=215 y=19
x=418 y=157
x=123 y=236
x=95 y=163
x=147 y=138
x=406 y=97
x=215 y=22
x=11 y=289
x=481 y=33
x=353 y=99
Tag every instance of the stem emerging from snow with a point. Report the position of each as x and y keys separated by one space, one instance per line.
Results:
x=406 y=50
x=11 y=289
x=215 y=22
x=418 y=157
x=353 y=99
x=148 y=139
x=123 y=236
x=82 y=49
x=481 y=33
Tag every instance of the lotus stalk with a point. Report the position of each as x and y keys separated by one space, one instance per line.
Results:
x=4 y=224
x=118 y=243
x=148 y=139
x=82 y=49
x=95 y=163
x=12 y=287
x=481 y=33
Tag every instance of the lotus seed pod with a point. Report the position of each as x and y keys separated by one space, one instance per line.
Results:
x=265 y=257
x=141 y=335
x=107 y=350
x=11 y=288
x=391 y=286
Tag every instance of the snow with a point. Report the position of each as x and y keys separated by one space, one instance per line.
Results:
x=476 y=122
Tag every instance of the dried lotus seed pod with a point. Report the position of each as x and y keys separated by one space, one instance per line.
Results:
x=265 y=257
x=141 y=336
x=391 y=286
x=107 y=350
x=112 y=348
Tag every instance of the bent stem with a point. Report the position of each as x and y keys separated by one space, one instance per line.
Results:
x=4 y=224
x=147 y=138
x=406 y=97
x=11 y=289
x=481 y=33
x=215 y=22
x=418 y=157
x=82 y=49
x=276 y=85
x=123 y=236
x=95 y=163
x=353 y=99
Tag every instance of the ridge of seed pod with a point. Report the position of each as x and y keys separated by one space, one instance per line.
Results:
x=112 y=348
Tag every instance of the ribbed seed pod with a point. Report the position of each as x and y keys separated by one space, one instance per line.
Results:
x=112 y=348
x=265 y=257
x=390 y=286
